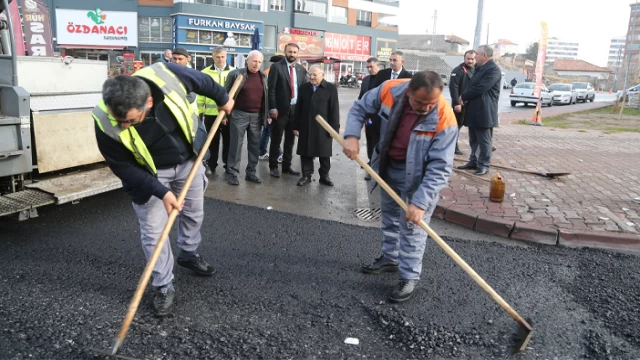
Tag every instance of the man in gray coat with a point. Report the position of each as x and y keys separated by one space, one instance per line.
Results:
x=481 y=100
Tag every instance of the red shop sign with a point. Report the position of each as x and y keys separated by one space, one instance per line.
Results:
x=347 y=47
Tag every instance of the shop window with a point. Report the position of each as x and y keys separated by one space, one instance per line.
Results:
x=238 y=4
x=277 y=5
x=363 y=18
x=150 y=57
x=338 y=14
x=154 y=29
x=218 y=38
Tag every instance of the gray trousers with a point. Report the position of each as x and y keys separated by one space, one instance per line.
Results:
x=402 y=241
x=152 y=217
x=240 y=122
x=480 y=140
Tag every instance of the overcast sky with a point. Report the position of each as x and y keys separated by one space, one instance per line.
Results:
x=590 y=23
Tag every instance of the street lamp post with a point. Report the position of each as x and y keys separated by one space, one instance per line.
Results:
x=628 y=49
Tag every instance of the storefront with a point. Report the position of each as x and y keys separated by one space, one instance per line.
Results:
x=154 y=37
x=310 y=42
x=352 y=50
x=200 y=35
x=94 y=34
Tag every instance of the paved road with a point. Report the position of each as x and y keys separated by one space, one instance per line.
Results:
x=288 y=287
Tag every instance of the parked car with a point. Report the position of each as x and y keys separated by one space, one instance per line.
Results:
x=445 y=79
x=584 y=91
x=630 y=91
x=563 y=94
x=523 y=93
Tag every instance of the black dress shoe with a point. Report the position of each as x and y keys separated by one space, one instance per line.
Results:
x=380 y=265
x=326 y=180
x=459 y=152
x=467 y=166
x=305 y=180
x=163 y=301
x=275 y=173
x=197 y=264
x=233 y=180
x=253 y=179
x=290 y=171
x=481 y=171
x=403 y=291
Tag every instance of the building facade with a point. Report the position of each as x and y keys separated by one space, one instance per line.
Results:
x=561 y=49
x=632 y=43
x=346 y=31
x=432 y=44
x=616 y=52
x=504 y=47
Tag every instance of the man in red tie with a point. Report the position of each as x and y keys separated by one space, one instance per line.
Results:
x=284 y=79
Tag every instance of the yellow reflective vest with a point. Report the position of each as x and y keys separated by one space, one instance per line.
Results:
x=207 y=106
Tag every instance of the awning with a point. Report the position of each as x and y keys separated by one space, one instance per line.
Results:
x=96 y=47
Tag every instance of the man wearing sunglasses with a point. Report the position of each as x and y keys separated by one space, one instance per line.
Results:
x=150 y=136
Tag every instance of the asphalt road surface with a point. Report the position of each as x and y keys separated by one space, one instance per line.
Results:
x=289 y=287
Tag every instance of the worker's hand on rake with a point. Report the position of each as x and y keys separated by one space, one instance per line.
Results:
x=170 y=202
x=415 y=214
x=351 y=147
x=228 y=107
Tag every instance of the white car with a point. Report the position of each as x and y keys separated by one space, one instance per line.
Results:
x=523 y=93
x=585 y=91
x=563 y=94
x=630 y=91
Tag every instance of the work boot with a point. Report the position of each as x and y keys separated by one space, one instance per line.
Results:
x=274 y=173
x=326 y=180
x=253 y=179
x=381 y=265
x=403 y=291
x=196 y=264
x=163 y=300
x=233 y=180
x=305 y=180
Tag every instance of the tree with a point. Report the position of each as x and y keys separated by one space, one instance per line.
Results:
x=532 y=52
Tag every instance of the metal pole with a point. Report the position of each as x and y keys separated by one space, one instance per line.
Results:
x=626 y=75
x=488 y=33
x=476 y=38
x=615 y=84
x=12 y=39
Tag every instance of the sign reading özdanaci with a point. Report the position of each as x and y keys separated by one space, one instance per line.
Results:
x=97 y=28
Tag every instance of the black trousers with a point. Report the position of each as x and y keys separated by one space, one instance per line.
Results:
x=460 y=121
x=372 y=133
x=283 y=125
x=307 y=166
x=224 y=132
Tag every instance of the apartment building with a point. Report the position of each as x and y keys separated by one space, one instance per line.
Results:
x=616 y=52
x=561 y=49
x=347 y=32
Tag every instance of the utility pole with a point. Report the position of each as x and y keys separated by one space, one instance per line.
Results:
x=615 y=84
x=488 y=33
x=435 y=21
x=628 y=48
x=476 y=38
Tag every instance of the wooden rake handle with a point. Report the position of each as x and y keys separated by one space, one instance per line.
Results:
x=447 y=249
x=146 y=274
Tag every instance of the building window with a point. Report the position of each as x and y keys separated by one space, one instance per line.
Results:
x=154 y=29
x=150 y=57
x=216 y=38
x=363 y=18
x=338 y=14
x=277 y=5
x=269 y=37
x=314 y=8
x=237 y=4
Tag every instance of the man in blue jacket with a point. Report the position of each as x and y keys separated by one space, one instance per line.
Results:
x=150 y=136
x=418 y=132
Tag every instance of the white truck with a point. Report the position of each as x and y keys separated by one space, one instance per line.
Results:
x=48 y=151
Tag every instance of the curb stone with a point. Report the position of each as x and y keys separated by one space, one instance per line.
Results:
x=600 y=240
x=461 y=215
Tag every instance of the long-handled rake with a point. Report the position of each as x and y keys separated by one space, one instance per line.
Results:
x=146 y=274
x=525 y=330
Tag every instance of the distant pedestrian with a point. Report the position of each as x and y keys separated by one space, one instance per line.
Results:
x=372 y=126
x=514 y=82
x=481 y=99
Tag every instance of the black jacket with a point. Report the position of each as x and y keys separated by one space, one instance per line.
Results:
x=162 y=136
x=231 y=78
x=280 y=86
x=368 y=83
x=482 y=96
x=460 y=78
x=384 y=75
x=314 y=140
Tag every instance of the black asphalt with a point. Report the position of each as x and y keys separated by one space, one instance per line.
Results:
x=289 y=287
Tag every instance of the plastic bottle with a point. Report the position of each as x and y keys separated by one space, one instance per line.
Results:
x=498 y=185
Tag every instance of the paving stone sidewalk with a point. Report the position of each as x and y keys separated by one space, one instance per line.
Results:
x=593 y=206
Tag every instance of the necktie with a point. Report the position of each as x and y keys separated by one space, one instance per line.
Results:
x=293 y=90
x=394 y=75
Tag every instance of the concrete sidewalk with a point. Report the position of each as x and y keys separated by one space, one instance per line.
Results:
x=593 y=206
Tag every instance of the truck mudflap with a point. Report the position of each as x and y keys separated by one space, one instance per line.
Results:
x=58 y=190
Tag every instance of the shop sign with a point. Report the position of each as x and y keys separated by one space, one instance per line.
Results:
x=97 y=27
x=347 y=47
x=310 y=42
x=384 y=49
x=234 y=35
x=37 y=28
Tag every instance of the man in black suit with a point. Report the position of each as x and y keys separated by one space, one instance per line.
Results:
x=372 y=126
x=395 y=70
x=285 y=77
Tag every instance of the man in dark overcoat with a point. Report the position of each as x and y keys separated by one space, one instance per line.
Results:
x=316 y=97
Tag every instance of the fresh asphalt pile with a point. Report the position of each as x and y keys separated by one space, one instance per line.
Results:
x=289 y=287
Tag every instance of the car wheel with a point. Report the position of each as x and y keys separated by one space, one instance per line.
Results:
x=513 y=103
x=550 y=103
